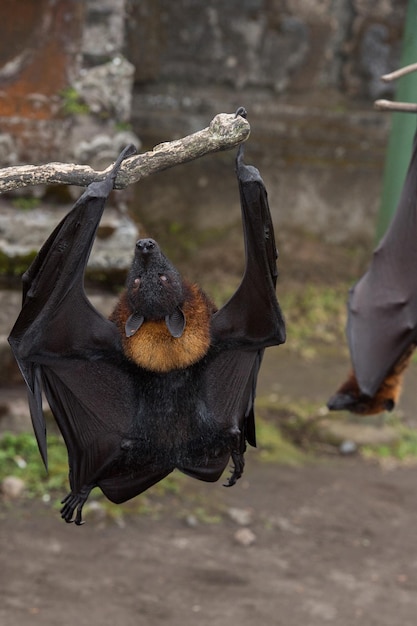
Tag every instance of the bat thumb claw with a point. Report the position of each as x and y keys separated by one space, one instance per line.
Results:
x=241 y=112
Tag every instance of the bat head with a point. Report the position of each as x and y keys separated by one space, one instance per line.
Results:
x=349 y=397
x=360 y=404
x=155 y=289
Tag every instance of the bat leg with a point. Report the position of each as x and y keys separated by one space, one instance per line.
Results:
x=237 y=454
x=72 y=502
x=238 y=466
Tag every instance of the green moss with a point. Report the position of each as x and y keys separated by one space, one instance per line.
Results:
x=72 y=102
x=15 y=266
x=25 y=203
x=123 y=126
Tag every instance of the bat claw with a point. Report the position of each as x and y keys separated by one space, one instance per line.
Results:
x=237 y=471
x=72 y=502
x=241 y=111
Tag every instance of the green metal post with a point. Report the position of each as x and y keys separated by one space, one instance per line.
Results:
x=403 y=127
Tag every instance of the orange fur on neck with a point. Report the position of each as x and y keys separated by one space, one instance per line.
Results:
x=154 y=348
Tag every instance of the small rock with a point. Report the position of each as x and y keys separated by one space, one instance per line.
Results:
x=12 y=487
x=348 y=447
x=96 y=511
x=242 y=517
x=286 y=525
x=245 y=537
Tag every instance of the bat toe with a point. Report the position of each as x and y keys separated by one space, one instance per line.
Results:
x=74 y=502
x=237 y=471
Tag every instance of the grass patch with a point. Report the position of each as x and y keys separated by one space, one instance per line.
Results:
x=402 y=450
x=19 y=456
x=73 y=103
x=315 y=316
x=182 y=496
x=273 y=446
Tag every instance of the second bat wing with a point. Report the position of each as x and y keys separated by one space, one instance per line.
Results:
x=382 y=312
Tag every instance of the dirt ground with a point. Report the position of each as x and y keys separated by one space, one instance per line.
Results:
x=335 y=542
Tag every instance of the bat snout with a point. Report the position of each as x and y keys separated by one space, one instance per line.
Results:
x=146 y=246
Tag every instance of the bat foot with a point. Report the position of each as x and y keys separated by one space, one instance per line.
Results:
x=237 y=471
x=74 y=502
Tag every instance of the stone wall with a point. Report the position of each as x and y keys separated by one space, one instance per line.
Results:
x=65 y=86
x=39 y=57
x=286 y=46
x=306 y=71
x=79 y=79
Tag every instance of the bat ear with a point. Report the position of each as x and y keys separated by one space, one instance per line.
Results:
x=176 y=322
x=133 y=323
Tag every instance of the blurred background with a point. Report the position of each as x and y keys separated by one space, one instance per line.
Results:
x=321 y=526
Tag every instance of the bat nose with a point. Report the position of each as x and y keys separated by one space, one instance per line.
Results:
x=146 y=246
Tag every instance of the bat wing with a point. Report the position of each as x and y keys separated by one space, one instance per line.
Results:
x=94 y=411
x=382 y=308
x=65 y=346
x=249 y=322
x=252 y=318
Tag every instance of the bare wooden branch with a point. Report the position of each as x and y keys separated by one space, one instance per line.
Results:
x=224 y=132
x=387 y=78
x=389 y=105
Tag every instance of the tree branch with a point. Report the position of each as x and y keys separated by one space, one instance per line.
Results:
x=389 y=105
x=224 y=132
x=387 y=78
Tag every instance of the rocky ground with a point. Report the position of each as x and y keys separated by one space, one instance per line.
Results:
x=330 y=542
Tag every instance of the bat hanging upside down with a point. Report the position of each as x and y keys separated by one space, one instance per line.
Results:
x=168 y=381
x=382 y=313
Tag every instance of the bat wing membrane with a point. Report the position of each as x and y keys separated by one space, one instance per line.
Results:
x=382 y=309
x=249 y=322
x=252 y=317
x=59 y=333
x=94 y=426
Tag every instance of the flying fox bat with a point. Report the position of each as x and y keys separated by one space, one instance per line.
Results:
x=168 y=381
x=382 y=313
